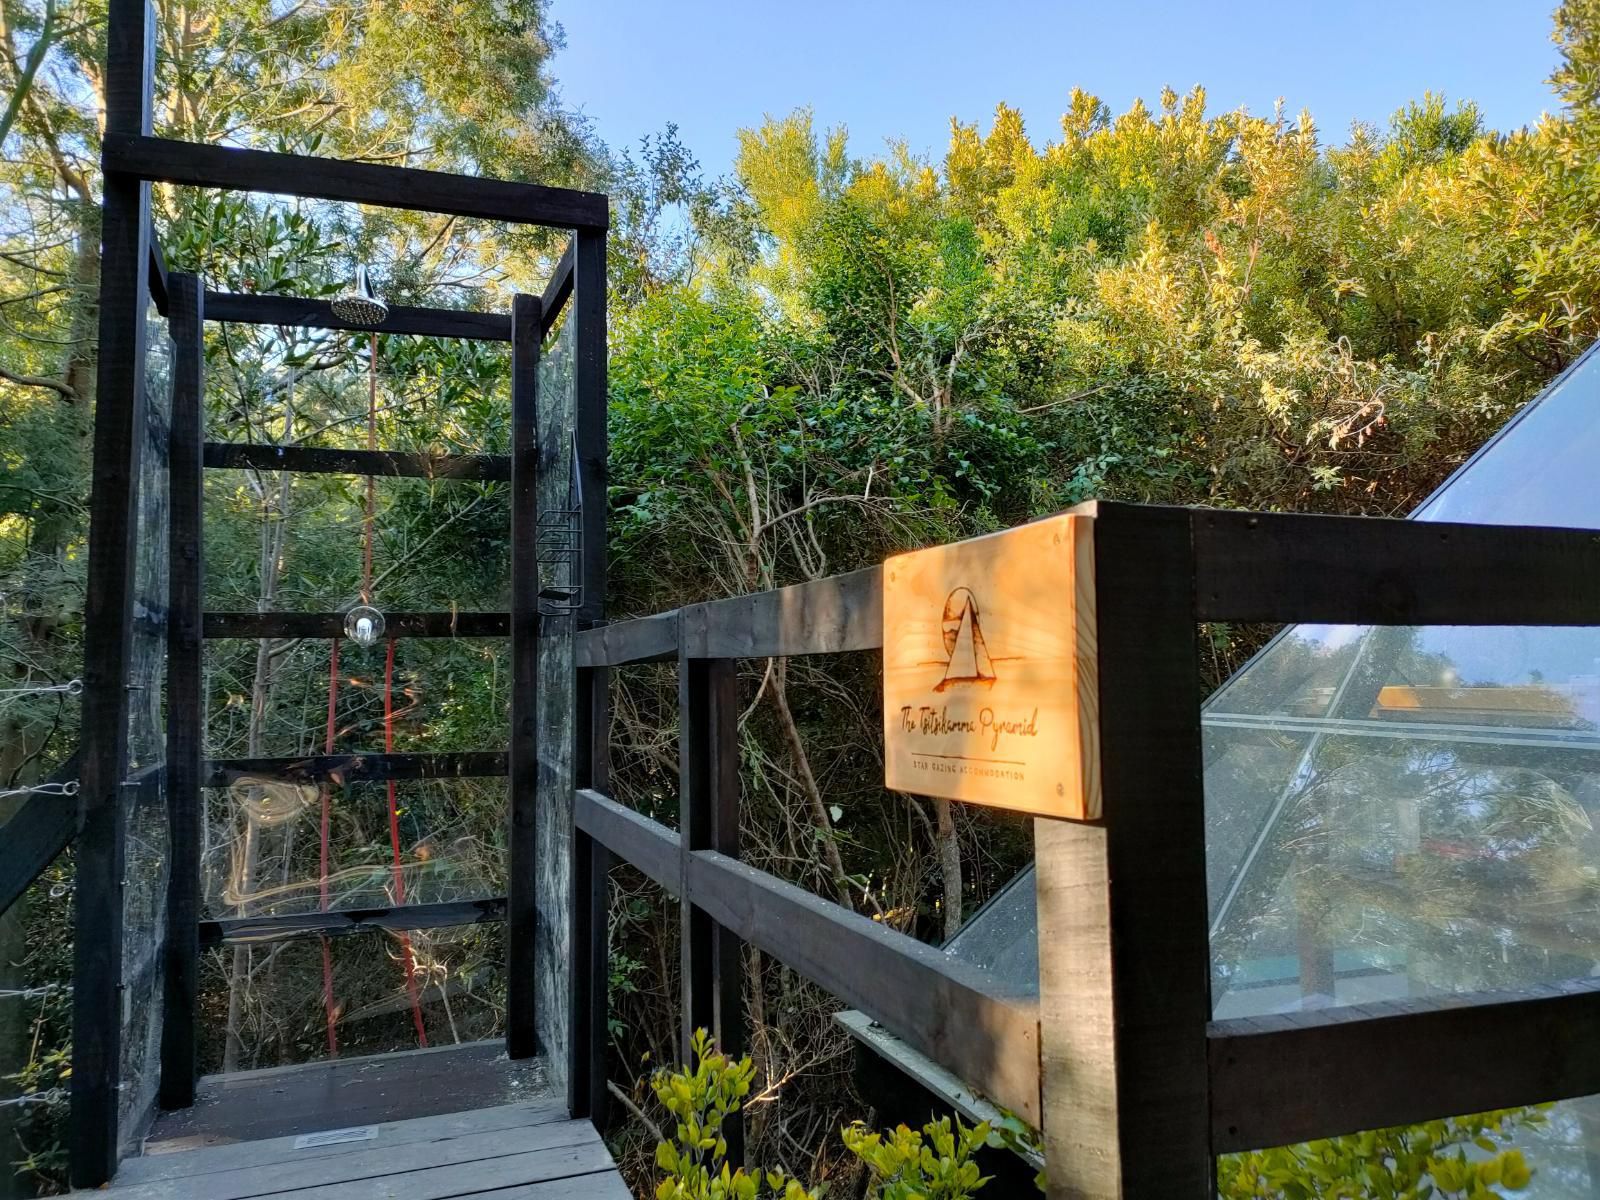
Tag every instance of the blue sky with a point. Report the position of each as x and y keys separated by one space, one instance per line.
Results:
x=902 y=68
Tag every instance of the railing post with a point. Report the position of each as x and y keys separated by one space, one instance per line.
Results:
x=186 y=316
x=590 y=972
x=119 y=435
x=591 y=862
x=708 y=807
x=522 y=790
x=1124 y=956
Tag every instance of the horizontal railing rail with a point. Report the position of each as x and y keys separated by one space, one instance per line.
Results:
x=1293 y=1077
x=341 y=921
x=247 y=308
x=40 y=828
x=955 y=1014
x=357 y=768
x=1292 y=567
x=332 y=625
x=326 y=460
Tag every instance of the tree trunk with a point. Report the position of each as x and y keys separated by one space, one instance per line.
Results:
x=949 y=865
x=808 y=784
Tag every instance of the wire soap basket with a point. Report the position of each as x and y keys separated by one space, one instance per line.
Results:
x=560 y=547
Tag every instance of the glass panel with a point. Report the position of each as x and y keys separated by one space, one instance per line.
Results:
x=559 y=571
x=1434 y=832
x=263 y=848
x=283 y=1003
x=448 y=695
x=145 y=874
x=437 y=544
x=1539 y=471
x=1002 y=936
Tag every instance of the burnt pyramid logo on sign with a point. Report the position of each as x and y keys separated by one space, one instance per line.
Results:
x=967 y=654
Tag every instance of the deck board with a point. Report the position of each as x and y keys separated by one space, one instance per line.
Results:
x=397 y=1133
x=247 y=1106
x=525 y=1150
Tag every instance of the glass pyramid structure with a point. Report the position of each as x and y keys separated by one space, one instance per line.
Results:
x=1401 y=812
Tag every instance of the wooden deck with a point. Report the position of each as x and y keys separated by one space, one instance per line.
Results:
x=350 y=1130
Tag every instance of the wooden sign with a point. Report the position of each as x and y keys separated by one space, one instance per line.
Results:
x=990 y=688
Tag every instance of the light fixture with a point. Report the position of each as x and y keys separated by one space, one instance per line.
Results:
x=359 y=306
x=363 y=624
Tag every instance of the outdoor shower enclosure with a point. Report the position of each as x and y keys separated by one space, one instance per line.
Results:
x=138 y=830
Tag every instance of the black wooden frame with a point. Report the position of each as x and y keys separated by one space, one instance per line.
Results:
x=185 y=691
x=132 y=271
x=1120 y=1040
x=125 y=272
x=522 y=914
x=338 y=922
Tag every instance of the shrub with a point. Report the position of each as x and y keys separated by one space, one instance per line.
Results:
x=934 y=1163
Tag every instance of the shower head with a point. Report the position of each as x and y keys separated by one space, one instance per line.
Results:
x=359 y=306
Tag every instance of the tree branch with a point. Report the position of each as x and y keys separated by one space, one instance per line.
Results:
x=68 y=392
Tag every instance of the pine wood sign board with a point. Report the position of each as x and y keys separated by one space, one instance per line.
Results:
x=990 y=687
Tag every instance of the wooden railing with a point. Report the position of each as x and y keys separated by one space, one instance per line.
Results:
x=1137 y=1089
x=40 y=828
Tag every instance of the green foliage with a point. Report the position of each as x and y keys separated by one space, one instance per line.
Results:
x=1012 y=1133
x=933 y=1164
x=695 y=1160
x=620 y=984
x=1464 y=1158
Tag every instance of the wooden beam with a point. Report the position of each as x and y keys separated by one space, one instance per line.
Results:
x=557 y=292
x=1290 y=567
x=322 y=460
x=196 y=165
x=119 y=438
x=1124 y=956
x=34 y=834
x=644 y=639
x=597 y=994
x=185 y=691
x=302 y=313
x=592 y=740
x=956 y=1014
x=697 y=767
x=580 y=280
x=331 y=625
x=589 y=393
x=341 y=922
x=1293 y=1077
x=722 y=820
x=710 y=979
x=522 y=920
x=828 y=616
x=357 y=768
x=589 y=969
x=646 y=845
x=159 y=287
